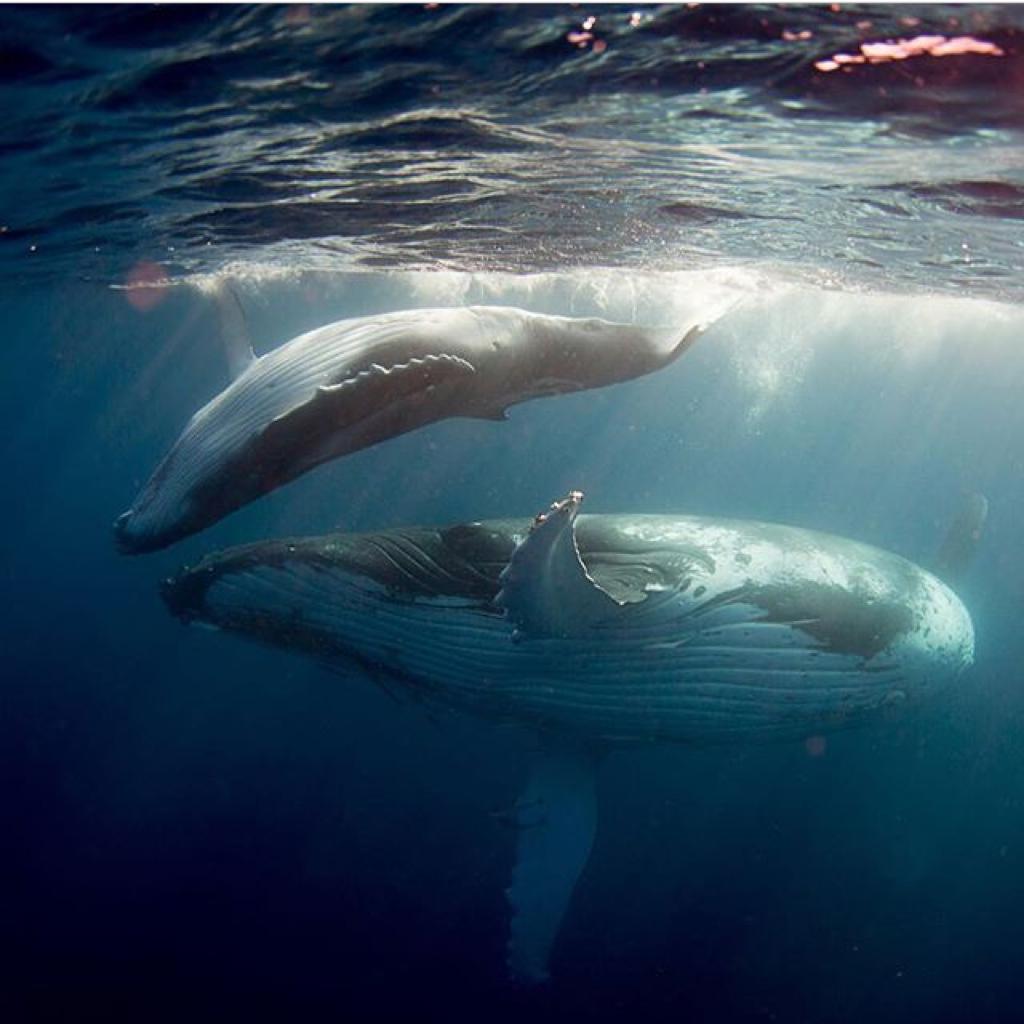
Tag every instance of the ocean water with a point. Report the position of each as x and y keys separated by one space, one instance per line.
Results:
x=195 y=828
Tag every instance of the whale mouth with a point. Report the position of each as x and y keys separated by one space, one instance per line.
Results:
x=123 y=540
x=183 y=595
x=127 y=539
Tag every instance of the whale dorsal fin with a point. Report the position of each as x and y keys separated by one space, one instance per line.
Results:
x=556 y=818
x=545 y=588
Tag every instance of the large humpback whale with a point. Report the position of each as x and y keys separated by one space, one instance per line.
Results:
x=600 y=630
x=352 y=384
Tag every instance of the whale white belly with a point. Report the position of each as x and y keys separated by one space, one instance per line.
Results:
x=666 y=670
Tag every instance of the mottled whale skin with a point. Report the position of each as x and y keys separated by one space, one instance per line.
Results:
x=600 y=630
x=711 y=629
x=355 y=383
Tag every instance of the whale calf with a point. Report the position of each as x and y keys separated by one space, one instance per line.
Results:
x=598 y=631
x=352 y=384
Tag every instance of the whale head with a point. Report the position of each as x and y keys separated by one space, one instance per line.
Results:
x=138 y=530
x=149 y=524
x=183 y=495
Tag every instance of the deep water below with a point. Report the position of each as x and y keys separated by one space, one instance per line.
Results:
x=201 y=827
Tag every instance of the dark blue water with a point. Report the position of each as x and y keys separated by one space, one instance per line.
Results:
x=196 y=828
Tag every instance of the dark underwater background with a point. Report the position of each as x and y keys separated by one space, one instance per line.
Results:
x=194 y=828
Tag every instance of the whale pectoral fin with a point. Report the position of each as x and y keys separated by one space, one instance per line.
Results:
x=234 y=331
x=962 y=539
x=367 y=393
x=556 y=818
x=546 y=589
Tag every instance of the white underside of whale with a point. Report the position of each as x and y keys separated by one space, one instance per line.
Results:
x=670 y=667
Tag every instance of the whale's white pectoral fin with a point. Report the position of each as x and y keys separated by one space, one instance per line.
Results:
x=556 y=818
x=545 y=588
x=234 y=332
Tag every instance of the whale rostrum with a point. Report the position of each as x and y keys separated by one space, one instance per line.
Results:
x=597 y=631
x=355 y=383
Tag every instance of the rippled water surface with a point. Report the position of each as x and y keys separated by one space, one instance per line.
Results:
x=517 y=138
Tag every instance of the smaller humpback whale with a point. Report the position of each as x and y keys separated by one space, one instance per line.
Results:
x=599 y=631
x=352 y=384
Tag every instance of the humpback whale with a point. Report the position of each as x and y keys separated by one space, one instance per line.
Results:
x=355 y=383
x=597 y=631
